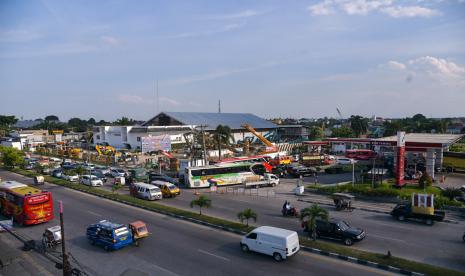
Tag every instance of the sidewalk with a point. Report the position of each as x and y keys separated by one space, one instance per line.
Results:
x=15 y=262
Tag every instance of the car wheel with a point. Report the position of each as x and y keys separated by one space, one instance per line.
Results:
x=401 y=218
x=348 y=242
x=277 y=257
x=429 y=222
x=244 y=248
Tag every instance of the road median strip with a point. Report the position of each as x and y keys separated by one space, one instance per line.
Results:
x=393 y=264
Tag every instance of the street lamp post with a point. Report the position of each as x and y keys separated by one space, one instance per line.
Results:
x=353 y=172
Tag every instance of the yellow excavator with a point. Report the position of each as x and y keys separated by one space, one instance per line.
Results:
x=105 y=150
x=270 y=147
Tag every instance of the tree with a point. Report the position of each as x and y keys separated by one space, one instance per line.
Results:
x=246 y=215
x=78 y=124
x=309 y=215
x=124 y=121
x=223 y=137
x=343 y=131
x=11 y=157
x=358 y=124
x=7 y=121
x=201 y=201
x=391 y=128
x=51 y=118
x=91 y=122
x=316 y=133
x=425 y=180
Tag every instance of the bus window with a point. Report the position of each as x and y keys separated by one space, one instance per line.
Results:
x=259 y=169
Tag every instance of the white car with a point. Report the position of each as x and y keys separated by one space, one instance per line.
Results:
x=88 y=166
x=345 y=161
x=91 y=180
x=54 y=159
x=72 y=178
x=117 y=172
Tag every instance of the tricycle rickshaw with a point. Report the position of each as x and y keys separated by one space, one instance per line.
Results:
x=343 y=201
x=39 y=180
x=51 y=237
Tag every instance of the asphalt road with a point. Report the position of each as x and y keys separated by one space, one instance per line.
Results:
x=174 y=248
x=440 y=244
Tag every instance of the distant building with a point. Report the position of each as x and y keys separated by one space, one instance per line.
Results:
x=176 y=124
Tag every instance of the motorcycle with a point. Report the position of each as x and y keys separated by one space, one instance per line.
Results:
x=290 y=212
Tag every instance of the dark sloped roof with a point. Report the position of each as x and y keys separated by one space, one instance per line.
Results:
x=212 y=120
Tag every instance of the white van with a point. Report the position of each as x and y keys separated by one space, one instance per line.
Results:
x=147 y=191
x=277 y=242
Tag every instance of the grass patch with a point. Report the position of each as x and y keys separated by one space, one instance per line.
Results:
x=380 y=258
x=322 y=245
x=386 y=190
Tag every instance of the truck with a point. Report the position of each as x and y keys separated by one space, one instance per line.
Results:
x=421 y=209
x=256 y=181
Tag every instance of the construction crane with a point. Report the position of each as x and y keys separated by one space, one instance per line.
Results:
x=271 y=148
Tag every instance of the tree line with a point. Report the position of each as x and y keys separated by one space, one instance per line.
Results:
x=52 y=122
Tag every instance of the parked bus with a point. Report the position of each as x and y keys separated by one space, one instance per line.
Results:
x=264 y=159
x=360 y=154
x=223 y=174
x=27 y=205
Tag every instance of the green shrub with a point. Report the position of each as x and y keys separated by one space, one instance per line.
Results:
x=425 y=181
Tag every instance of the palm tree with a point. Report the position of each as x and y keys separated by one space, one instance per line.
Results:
x=310 y=214
x=201 y=201
x=223 y=137
x=246 y=215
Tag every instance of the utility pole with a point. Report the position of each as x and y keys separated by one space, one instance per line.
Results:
x=373 y=173
x=204 y=150
x=66 y=265
x=219 y=106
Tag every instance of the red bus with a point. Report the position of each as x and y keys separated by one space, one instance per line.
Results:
x=27 y=205
x=360 y=154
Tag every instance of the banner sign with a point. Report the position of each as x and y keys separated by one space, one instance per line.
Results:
x=156 y=143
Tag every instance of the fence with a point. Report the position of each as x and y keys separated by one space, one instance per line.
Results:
x=255 y=192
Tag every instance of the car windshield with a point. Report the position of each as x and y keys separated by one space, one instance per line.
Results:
x=171 y=187
x=343 y=225
x=154 y=190
x=94 y=177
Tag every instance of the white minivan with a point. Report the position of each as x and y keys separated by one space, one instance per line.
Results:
x=277 y=242
x=146 y=191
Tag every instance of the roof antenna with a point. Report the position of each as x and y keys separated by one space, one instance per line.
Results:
x=219 y=106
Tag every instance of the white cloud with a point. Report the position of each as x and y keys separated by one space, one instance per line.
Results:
x=438 y=67
x=110 y=40
x=218 y=74
x=131 y=99
x=410 y=11
x=224 y=29
x=364 y=7
x=242 y=14
x=396 y=65
x=169 y=101
x=323 y=8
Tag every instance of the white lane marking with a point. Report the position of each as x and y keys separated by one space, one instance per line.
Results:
x=214 y=255
x=95 y=214
x=386 y=238
x=164 y=269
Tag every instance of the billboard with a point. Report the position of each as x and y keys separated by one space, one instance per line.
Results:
x=156 y=143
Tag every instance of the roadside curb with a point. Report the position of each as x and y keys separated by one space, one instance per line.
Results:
x=369 y=210
x=359 y=261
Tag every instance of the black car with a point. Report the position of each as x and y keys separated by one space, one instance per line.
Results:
x=299 y=170
x=163 y=177
x=338 y=230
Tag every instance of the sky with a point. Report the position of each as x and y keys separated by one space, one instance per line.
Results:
x=300 y=59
